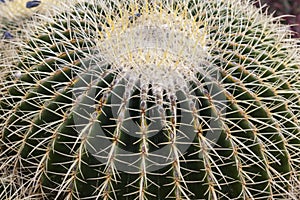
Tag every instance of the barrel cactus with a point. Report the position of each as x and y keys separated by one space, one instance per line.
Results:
x=18 y=9
x=152 y=100
x=15 y=13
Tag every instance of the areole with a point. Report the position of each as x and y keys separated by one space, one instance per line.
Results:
x=153 y=100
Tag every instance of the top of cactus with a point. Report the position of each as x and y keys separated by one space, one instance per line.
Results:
x=171 y=99
x=156 y=44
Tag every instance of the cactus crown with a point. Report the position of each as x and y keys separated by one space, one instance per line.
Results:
x=152 y=100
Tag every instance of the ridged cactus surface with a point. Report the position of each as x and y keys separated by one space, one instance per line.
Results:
x=15 y=13
x=152 y=100
x=18 y=9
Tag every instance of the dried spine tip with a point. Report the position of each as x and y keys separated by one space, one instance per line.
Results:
x=151 y=100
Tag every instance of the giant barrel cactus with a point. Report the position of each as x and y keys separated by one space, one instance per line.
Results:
x=152 y=100
x=14 y=17
x=20 y=9
x=15 y=13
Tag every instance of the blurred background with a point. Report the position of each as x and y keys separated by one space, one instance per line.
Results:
x=285 y=7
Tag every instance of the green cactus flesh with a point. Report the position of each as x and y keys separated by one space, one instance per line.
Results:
x=152 y=100
x=15 y=16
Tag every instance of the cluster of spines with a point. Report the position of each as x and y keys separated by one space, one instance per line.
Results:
x=265 y=86
x=262 y=98
x=29 y=4
x=15 y=14
x=13 y=17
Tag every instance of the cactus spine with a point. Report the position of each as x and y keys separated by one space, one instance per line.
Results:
x=152 y=100
x=18 y=9
x=15 y=16
x=16 y=13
